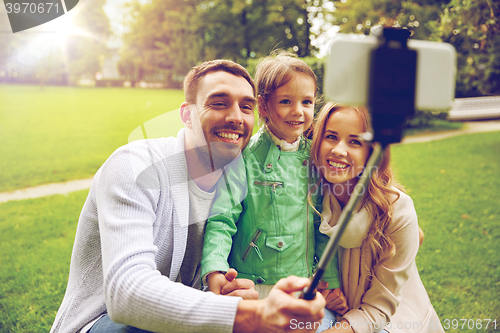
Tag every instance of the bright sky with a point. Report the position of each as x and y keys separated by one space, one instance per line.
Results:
x=116 y=12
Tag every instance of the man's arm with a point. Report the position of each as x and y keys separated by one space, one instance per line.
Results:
x=281 y=311
x=137 y=292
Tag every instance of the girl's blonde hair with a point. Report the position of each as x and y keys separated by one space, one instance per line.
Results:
x=380 y=197
x=275 y=71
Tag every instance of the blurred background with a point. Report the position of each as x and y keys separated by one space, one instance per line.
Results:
x=154 y=43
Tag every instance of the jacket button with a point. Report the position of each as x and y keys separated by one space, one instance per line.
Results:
x=280 y=244
x=259 y=281
x=269 y=165
x=304 y=163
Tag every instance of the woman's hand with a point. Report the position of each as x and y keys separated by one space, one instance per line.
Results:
x=335 y=300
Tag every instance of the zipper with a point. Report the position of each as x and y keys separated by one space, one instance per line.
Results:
x=272 y=184
x=253 y=245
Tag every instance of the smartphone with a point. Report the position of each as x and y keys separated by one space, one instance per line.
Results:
x=347 y=71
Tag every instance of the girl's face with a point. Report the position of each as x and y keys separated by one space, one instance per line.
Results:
x=342 y=154
x=290 y=110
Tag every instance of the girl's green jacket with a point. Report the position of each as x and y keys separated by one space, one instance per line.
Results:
x=261 y=224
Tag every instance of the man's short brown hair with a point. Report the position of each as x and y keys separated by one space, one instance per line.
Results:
x=194 y=76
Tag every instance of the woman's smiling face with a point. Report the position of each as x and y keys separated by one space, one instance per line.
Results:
x=342 y=153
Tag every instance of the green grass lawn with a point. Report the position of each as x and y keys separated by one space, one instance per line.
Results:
x=454 y=185
x=436 y=125
x=36 y=238
x=57 y=134
x=65 y=133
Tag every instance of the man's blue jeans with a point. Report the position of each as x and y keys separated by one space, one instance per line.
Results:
x=106 y=325
x=328 y=321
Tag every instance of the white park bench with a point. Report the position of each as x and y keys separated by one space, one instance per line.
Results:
x=475 y=108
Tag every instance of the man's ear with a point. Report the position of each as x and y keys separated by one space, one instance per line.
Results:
x=262 y=107
x=185 y=113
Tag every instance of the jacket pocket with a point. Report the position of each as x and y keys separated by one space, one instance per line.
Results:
x=279 y=243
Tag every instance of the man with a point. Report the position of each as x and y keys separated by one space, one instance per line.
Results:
x=139 y=231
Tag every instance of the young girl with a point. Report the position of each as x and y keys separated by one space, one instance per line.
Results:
x=270 y=234
x=377 y=254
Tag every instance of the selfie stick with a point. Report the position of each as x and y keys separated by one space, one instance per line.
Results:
x=391 y=101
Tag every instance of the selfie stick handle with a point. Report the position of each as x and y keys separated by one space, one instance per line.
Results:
x=331 y=249
x=391 y=100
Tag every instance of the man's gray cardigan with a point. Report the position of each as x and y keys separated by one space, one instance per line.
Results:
x=130 y=244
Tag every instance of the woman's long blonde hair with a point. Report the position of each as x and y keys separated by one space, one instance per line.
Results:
x=379 y=198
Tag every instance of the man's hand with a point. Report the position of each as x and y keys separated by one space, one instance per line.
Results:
x=281 y=311
x=228 y=284
x=335 y=300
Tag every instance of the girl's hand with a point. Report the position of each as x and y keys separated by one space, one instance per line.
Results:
x=216 y=281
x=335 y=301
x=227 y=284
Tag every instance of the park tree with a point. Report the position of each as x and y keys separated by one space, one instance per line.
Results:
x=85 y=52
x=291 y=20
x=362 y=16
x=169 y=37
x=240 y=30
x=473 y=27
x=162 y=41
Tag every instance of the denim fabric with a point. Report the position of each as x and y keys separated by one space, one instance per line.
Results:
x=106 y=325
x=328 y=321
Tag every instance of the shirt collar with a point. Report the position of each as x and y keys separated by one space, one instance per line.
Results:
x=282 y=144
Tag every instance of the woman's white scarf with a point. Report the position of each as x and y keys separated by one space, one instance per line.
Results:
x=357 y=228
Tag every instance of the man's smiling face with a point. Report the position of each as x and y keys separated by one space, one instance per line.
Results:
x=225 y=106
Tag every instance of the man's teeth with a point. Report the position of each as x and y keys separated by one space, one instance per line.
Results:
x=229 y=136
x=338 y=165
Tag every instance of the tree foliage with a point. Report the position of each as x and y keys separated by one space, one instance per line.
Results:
x=85 y=53
x=473 y=27
x=362 y=16
x=162 y=40
x=170 y=36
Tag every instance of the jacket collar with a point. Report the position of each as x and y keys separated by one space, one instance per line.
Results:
x=274 y=152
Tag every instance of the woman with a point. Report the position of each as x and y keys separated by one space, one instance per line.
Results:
x=379 y=276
